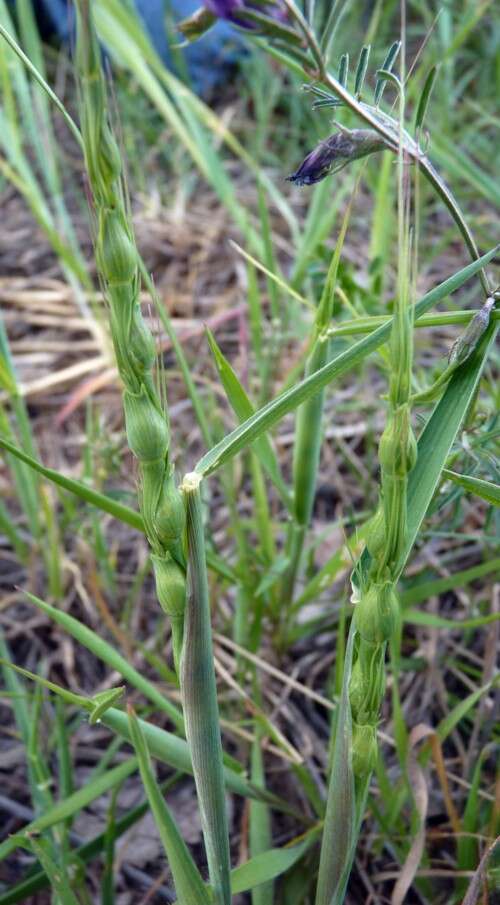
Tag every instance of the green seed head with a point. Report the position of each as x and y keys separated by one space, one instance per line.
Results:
x=108 y=164
x=170 y=516
x=357 y=690
x=376 y=536
x=364 y=749
x=367 y=685
x=397 y=450
x=141 y=346
x=116 y=252
x=170 y=585
x=376 y=613
x=147 y=429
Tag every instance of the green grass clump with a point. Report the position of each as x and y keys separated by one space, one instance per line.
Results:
x=236 y=541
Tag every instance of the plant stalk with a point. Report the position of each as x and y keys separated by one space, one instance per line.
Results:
x=199 y=694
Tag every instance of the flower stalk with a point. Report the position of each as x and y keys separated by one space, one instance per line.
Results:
x=146 y=420
x=377 y=610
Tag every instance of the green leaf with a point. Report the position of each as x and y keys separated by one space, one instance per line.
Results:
x=461 y=709
x=425 y=589
x=56 y=873
x=439 y=434
x=277 y=408
x=68 y=696
x=341 y=825
x=103 y=502
x=244 y=409
x=167 y=747
x=187 y=880
x=73 y=804
x=102 y=701
x=386 y=68
x=100 y=648
x=425 y=97
x=43 y=84
x=387 y=76
x=100 y=500
x=174 y=751
x=453 y=157
x=269 y=865
x=484 y=489
x=260 y=831
x=417 y=617
x=200 y=704
x=361 y=70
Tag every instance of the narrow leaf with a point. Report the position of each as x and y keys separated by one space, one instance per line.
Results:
x=63 y=894
x=100 y=648
x=386 y=67
x=439 y=434
x=73 y=804
x=361 y=70
x=81 y=490
x=484 y=489
x=199 y=695
x=187 y=880
x=341 y=824
x=277 y=408
x=425 y=97
x=244 y=409
x=269 y=865
x=344 y=69
x=425 y=589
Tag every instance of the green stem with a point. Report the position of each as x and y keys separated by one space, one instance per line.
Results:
x=199 y=694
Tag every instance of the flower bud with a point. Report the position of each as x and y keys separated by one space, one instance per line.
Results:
x=116 y=252
x=364 y=749
x=170 y=585
x=147 y=429
x=377 y=612
x=170 y=515
x=335 y=152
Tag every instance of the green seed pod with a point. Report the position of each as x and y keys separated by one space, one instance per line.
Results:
x=170 y=585
x=147 y=429
x=397 y=450
x=376 y=536
x=170 y=515
x=116 y=252
x=364 y=749
x=376 y=613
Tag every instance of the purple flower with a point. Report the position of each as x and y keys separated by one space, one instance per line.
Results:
x=224 y=9
x=336 y=152
x=229 y=9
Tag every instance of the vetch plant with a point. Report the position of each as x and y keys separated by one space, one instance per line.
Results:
x=271 y=547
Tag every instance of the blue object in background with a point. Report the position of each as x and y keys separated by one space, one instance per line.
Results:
x=206 y=60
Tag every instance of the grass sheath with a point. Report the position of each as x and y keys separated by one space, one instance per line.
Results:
x=199 y=694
